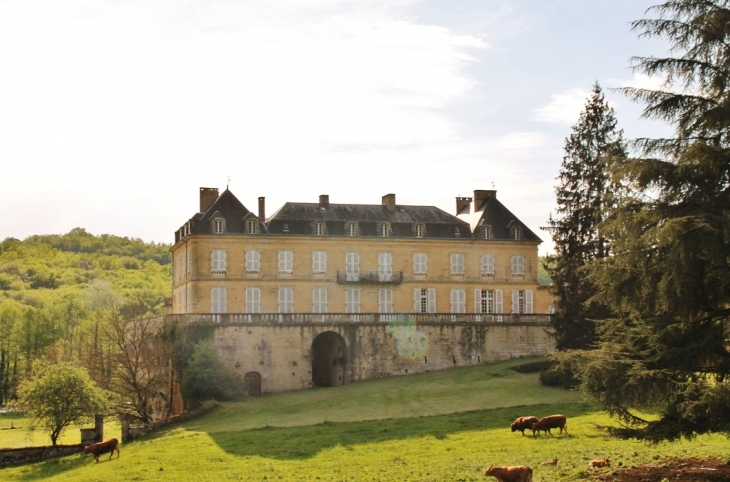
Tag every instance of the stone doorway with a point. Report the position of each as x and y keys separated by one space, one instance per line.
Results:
x=329 y=359
x=252 y=384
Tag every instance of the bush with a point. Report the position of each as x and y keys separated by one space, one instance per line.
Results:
x=558 y=374
x=206 y=378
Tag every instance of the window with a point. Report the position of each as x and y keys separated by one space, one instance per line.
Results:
x=253 y=261
x=218 y=262
x=319 y=262
x=319 y=228
x=516 y=233
x=518 y=265
x=385 y=301
x=457 y=264
x=352 y=266
x=420 y=229
x=457 y=233
x=286 y=227
x=352 y=301
x=384 y=229
x=286 y=300
x=487 y=232
x=487 y=268
x=458 y=301
x=219 y=225
x=420 y=265
x=253 y=300
x=385 y=266
x=424 y=300
x=286 y=262
x=487 y=301
x=253 y=226
x=351 y=229
x=319 y=300
x=217 y=300
x=522 y=301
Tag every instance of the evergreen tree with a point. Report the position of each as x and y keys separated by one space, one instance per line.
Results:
x=583 y=197
x=668 y=278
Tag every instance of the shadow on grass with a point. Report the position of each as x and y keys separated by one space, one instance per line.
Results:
x=48 y=469
x=291 y=443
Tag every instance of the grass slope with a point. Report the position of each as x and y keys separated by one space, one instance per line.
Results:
x=444 y=426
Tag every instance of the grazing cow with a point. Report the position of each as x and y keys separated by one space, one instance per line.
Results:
x=515 y=473
x=599 y=463
x=103 y=447
x=550 y=462
x=523 y=423
x=552 y=421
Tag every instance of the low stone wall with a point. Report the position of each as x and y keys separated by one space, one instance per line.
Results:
x=17 y=456
x=133 y=432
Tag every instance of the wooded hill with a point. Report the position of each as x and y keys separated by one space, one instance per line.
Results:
x=56 y=292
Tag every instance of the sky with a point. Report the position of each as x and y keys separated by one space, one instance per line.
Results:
x=114 y=112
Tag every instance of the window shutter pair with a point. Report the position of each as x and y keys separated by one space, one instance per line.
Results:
x=478 y=301
x=430 y=300
x=458 y=301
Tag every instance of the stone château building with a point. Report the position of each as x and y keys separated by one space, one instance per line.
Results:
x=334 y=268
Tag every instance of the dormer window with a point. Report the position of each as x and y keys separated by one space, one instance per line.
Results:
x=351 y=229
x=384 y=229
x=487 y=232
x=457 y=233
x=318 y=228
x=219 y=226
x=286 y=227
x=252 y=226
x=516 y=233
x=420 y=230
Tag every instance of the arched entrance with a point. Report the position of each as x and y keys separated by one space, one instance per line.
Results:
x=329 y=358
x=252 y=384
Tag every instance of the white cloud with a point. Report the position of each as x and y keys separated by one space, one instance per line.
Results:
x=639 y=81
x=563 y=108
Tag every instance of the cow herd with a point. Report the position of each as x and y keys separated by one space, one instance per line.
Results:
x=522 y=473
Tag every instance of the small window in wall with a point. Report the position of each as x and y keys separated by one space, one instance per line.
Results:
x=352 y=301
x=253 y=300
x=516 y=233
x=352 y=266
x=319 y=262
x=518 y=265
x=252 y=226
x=420 y=265
x=253 y=261
x=286 y=262
x=420 y=230
x=458 y=301
x=457 y=264
x=319 y=300
x=384 y=229
x=424 y=300
x=487 y=232
x=219 y=226
x=487 y=301
x=487 y=267
x=385 y=301
x=217 y=300
x=351 y=229
x=319 y=228
x=385 y=266
x=522 y=301
x=218 y=262
x=286 y=300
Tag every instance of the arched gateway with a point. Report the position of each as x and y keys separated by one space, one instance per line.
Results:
x=329 y=359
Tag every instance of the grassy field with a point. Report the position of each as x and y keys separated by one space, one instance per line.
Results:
x=445 y=426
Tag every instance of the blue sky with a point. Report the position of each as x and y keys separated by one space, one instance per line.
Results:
x=114 y=113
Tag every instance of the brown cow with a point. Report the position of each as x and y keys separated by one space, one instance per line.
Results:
x=103 y=447
x=523 y=423
x=599 y=463
x=552 y=421
x=515 y=473
x=550 y=462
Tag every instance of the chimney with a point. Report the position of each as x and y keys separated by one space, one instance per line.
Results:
x=389 y=202
x=324 y=200
x=262 y=209
x=461 y=203
x=481 y=196
x=208 y=195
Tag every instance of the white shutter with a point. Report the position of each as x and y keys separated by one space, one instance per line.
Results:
x=498 y=301
x=490 y=264
x=528 y=302
x=431 y=300
x=515 y=301
x=416 y=300
x=477 y=300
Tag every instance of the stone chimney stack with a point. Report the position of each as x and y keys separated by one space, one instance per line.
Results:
x=208 y=195
x=262 y=209
x=481 y=196
x=324 y=200
x=461 y=203
x=389 y=202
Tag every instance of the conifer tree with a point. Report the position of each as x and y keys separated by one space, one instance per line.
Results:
x=668 y=278
x=583 y=196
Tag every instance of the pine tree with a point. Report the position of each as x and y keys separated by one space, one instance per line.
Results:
x=583 y=197
x=668 y=277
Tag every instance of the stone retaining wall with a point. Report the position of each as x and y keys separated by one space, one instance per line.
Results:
x=17 y=456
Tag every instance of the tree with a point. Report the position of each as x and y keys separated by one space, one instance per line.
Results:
x=668 y=279
x=206 y=378
x=61 y=395
x=584 y=197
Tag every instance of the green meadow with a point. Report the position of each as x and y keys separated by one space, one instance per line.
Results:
x=442 y=426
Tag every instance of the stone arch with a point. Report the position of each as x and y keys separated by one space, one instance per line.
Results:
x=252 y=384
x=329 y=359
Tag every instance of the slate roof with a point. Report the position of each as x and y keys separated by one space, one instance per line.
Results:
x=493 y=213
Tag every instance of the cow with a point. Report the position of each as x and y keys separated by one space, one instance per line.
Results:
x=599 y=463
x=552 y=421
x=523 y=423
x=550 y=462
x=103 y=447
x=515 y=473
